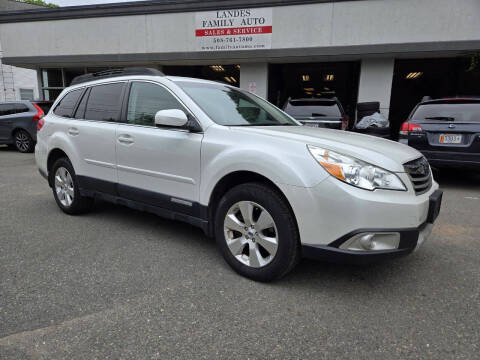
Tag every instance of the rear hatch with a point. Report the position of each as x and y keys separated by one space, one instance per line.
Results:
x=324 y=113
x=451 y=125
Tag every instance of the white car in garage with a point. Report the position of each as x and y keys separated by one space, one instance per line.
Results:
x=221 y=158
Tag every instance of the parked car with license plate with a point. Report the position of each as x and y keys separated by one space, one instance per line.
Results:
x=223 y=159
x=318 y=112
x=446 y=131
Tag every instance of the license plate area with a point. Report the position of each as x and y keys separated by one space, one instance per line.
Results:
x=450 y=139
x=435 y=203
x=311 y=124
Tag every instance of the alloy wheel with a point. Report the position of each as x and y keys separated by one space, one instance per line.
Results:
x=22 y=141
x=251 y=234
x=64 y=186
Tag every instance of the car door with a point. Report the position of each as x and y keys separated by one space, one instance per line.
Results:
x=157 y=166
x=92 y=131
x=6 y=121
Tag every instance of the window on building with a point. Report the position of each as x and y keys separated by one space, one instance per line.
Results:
x=104 y=102
x=52 y=83
x=71 y=73
x=67 y=103
x=52 y=78
x=51 y=94
x=26 y=94
x=145 y=100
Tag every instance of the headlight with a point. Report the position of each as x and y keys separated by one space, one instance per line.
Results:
x=355 y=172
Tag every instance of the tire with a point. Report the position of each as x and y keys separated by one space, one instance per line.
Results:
x=368 y=106
x=23 y=141
x=65 y=189
x=264 y=264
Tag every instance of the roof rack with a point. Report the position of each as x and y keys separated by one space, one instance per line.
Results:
x=116 y=72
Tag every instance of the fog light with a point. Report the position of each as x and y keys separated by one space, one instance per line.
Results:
x=372 y=241
x=367 y=241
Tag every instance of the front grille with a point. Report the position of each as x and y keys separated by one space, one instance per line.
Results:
x=419 y=172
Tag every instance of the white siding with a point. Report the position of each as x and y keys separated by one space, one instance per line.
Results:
x=13 y=78
x=430 y=24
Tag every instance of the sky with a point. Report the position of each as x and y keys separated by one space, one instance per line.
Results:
x=84 y=2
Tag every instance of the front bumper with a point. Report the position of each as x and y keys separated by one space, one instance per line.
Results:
x=410 y=240
x=332 y=208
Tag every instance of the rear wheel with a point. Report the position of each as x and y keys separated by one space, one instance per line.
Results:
x=256 y=232
x=65 y=189
x=23 y=141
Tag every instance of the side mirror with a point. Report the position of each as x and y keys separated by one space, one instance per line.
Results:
x=170 y=117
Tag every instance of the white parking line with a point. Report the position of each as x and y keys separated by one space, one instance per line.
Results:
x=472 y=197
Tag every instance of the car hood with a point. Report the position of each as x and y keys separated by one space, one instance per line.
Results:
x=387 y=154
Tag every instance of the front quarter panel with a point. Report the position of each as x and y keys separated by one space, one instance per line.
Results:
x=225 y=150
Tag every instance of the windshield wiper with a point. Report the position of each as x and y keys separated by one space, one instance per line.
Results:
x=448 y=118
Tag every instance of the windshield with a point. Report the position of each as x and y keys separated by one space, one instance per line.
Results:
x=232 y=107
x=313 y=108
x=461 y=112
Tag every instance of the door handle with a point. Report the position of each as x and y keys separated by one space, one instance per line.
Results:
x=125 y=139
x=73 y=131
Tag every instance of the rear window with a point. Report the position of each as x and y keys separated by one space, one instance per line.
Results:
x=67 y=103
x=104 y=102
x=10 y=109
x=462 y=112
x=21 y=108
x=313 y=108
x=6 y=109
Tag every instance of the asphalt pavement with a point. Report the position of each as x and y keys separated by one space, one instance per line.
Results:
x=121 y=284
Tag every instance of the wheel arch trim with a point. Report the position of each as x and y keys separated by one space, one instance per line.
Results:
x=235 y=178
x=59 y=144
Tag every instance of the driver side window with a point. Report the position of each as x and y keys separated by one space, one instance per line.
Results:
x=145 y=100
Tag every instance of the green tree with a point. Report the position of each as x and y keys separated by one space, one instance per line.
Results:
x=39 y=3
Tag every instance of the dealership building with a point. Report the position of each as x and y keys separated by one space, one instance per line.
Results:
x=391 y=51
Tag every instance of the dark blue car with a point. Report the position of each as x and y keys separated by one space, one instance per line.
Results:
x=446 y=131
x=18 y=124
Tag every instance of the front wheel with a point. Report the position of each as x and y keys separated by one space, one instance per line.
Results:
x=256 y=232
x=65 y=189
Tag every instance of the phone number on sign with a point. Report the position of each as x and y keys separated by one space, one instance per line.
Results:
x=233 y=39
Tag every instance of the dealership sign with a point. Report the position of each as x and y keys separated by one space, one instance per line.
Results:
x=240 y=29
